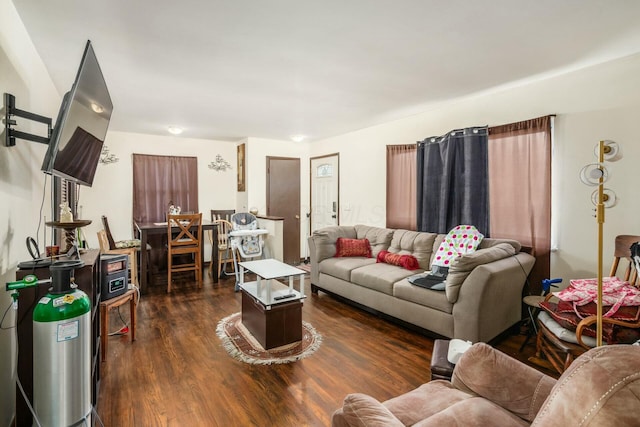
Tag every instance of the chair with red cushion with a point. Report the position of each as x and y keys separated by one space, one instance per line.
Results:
x=564 y=334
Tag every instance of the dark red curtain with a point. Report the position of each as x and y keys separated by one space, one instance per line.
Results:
x=159 y=181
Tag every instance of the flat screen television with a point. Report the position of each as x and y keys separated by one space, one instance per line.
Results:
x=81 y=126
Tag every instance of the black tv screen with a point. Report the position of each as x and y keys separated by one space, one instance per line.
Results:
x=81 y=125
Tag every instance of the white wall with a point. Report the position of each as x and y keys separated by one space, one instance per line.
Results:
x=21 y=182
x=112 y=190
x=600 y=102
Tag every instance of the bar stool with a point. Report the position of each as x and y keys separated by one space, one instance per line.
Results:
x=106 y=306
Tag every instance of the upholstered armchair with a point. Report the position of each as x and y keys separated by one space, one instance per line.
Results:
x=489 y=388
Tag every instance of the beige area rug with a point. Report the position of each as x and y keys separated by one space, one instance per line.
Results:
x=242 y=346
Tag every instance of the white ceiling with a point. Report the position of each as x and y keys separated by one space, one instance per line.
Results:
x=229 y=69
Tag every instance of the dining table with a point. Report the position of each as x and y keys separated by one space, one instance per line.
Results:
x=146 y=229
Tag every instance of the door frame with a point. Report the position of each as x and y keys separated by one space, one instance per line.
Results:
x=298 y=247
x=311 y=159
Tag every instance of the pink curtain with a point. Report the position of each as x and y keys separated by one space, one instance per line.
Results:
x=520 y=189
x=401 y=186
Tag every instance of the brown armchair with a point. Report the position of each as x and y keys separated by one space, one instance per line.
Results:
x=489 y=388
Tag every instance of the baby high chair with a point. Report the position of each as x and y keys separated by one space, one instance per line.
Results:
x=246 y=239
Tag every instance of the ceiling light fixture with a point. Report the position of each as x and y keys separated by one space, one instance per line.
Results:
x=298 y=138
x=175 y=130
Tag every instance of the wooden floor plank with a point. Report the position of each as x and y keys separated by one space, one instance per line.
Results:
x=177 y=373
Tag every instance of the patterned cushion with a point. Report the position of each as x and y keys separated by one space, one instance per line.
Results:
x=132 y=243
x=352 y=247
x=463 y=239
x=250 y=245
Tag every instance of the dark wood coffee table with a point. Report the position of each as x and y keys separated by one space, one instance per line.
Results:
x=271 y=310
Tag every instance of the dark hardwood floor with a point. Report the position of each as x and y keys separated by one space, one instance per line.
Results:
x=176 y=373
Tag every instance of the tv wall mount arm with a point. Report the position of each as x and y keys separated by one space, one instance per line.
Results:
x=10 y=134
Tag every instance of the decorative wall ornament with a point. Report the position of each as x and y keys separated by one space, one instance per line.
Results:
x=219 y=164
x=106 y=157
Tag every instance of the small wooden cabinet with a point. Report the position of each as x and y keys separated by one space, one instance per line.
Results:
x=274 y=327
x=88 y=280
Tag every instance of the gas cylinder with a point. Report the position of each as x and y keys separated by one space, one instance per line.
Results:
x=62 y=351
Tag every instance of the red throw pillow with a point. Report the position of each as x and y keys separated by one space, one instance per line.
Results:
x=353 y=247
x=408 y=262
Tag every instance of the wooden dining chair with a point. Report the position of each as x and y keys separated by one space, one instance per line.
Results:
x=118 y=244
x=622 y=251
x=225 y=253
x=184 y=237
x=219 y=242
x=124 y=244
x=103 y=242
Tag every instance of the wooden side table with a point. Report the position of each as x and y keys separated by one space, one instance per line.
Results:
x=106 y=306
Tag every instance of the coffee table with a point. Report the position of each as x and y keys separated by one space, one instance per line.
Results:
x=272 y=310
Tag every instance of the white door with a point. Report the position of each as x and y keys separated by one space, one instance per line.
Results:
x=324 y=191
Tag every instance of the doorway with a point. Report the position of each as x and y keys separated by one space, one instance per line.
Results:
x=283 y=200
x=325 y=199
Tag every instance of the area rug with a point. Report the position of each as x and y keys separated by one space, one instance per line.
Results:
x=242 y=346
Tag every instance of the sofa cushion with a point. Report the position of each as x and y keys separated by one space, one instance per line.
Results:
x=353 y=247
x=425 y=401
x=406 y=261
x=379 y=277
x=473 y=412
x=488 y=242
x=361 y=410
x=379 y=238
x=563 y=333
x=342 y=267
x=503 y=380
x=462 y=266
x=325 y=240
x=416 y=294
x=416 y=243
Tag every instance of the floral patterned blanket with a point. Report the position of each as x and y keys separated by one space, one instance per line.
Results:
x=616 y=293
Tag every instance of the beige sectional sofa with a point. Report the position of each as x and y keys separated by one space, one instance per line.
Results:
x=483 y=291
